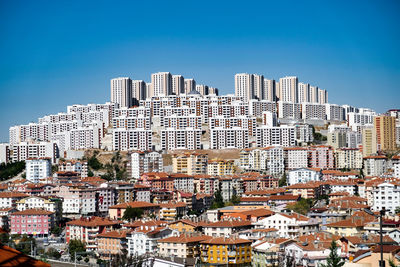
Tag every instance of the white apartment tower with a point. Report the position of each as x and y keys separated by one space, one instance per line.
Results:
x=269 y=90
x=178 y=84
x=258 y=84
x=121 y=91
x=244 y=86
x=161 y=84
x=138 y=91
x=289 y=89
x=190 y=85
x=314 y=94
x=322 y=96
x=304 y=92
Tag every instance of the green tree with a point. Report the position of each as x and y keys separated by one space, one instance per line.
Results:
x=53 y=253
x=302 y=206
x=75 y=245
x=397 y=210
x=4 y=238
x=132 y=213
x=283 y=181
x=90 y=173
x=94 y=163
x=11 y=169
x=25 y=244
x=86 y=260
x=218 y=201
x=56 y=230
x=334 y=260
x=235 y=199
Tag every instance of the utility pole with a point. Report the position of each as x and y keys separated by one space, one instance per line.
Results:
x=381 y=213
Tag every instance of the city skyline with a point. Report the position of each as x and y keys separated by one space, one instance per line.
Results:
x=71 y=61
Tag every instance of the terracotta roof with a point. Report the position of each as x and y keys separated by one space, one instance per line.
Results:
x=12 y=257
x=33 y=212
x=184 y=239
x=376 y=157
x=359 y=219
x=145 y=223
x=229 y=224
x=283 y=197
x=185 y=222
x=93 y=222
x=114 y=234
x=257 y=212
x=12 y=194
x=134 y=204
x=226 y=241
x=387 y=249
x=173 y=205
x=254 y=199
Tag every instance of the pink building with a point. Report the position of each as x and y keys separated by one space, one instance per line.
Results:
x=321 y=157
x=36 y=222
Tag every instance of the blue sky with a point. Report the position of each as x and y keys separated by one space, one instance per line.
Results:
x=57 y=53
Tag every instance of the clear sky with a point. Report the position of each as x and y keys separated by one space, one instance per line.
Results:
x=57 y=53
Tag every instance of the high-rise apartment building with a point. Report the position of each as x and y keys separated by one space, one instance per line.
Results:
x=385 y=130
x=258 y=84
x=121 y=91
x=289 y=89
x=202 y=89
x=304 y=92
x=314 y=94
x=368 y=141
x=190 y=85
x=161 y=84
x=178 y=84
x=269 y=90
x=244 y=86
x=322 y=96
x=138 y=91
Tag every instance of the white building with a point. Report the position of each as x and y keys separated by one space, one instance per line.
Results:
x=303 y=175
x=188 y=138
x=281 y=222
x=37 y=168
x=235 y=137
x=138 y=139
x=289 y=89
x=144 y=239
x=142 y=162
x=161 y=84
x=121 y=91
x=34 y=202
x=276 y=136
x=386 y=195
x=25 y=150
x=244 y=86
x=375 y=165
x=296 y=157
x=289 y=110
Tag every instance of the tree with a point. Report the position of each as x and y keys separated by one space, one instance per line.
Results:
x=26 y=244
x=56 y=230
x=94 y=163
x=397 y=210
x=86 y=260
x=235 y=199
x=132 y=213
x=75 y=245
x=334 y=260
x=90 y=173
x=4 y=238
x=283 y=181
x=218 y=201
x=53 y=253
x=302 y=206
x=10 y=170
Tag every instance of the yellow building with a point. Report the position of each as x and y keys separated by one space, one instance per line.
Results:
x=221 y=167
x=183 y=226
x=170 y=211
x=221 y=250
x=385 y=129
x=189 y=163
x=352 y=226
x=368 y=142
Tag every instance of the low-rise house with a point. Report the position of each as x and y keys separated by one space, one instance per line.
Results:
x=10 y=199
x=226 y=251
x=303 y=175
x=112 y=243
x=226 y=228
x=86 y=230
x=144 y=239
x=172 y=211
x=183 y=226
x=37 y=222
x=352 y=226
x=281 y=222
x=184 y=246
x=266 y=253
x=117 y=211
